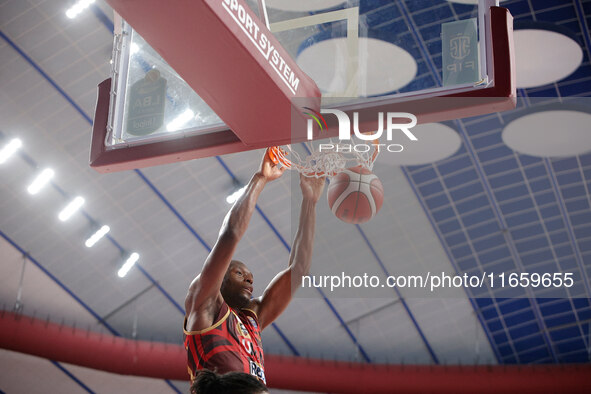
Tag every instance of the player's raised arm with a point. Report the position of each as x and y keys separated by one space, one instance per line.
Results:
x=279 y=292
x=204 y=295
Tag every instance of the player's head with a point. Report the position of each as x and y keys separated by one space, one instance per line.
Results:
x=237 y=285
x=208 y=382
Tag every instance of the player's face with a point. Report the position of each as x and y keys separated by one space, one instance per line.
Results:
x=237 y=286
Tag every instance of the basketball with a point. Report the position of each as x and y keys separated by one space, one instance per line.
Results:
x=355 y=195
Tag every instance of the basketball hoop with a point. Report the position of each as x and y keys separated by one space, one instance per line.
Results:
x=327 y=159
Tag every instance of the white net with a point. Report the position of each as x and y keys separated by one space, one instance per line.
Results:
x=325 y=158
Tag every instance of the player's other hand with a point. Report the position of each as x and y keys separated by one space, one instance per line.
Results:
x=269 y=170
x=312 y=187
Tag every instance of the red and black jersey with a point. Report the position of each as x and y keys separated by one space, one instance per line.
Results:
x=232 y=343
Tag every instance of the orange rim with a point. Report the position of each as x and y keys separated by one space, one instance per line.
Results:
x=278 y=155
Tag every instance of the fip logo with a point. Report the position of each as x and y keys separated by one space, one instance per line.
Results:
x=459 y=47
x=391 y=119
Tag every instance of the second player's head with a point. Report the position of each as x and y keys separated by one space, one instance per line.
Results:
x=237 y=285
x=208 y=382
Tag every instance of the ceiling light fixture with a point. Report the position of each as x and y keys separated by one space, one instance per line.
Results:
x=77 y=8
x=131 y=260
x=71 y=208
x=42 y=179
x=178 y=122
x=9 y=149
x=94 y=238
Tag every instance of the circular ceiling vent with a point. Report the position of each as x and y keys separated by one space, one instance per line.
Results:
x=544 y=56
x=382 y=66
x=550 y=133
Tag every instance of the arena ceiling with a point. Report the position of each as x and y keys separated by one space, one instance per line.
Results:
x=485 y=206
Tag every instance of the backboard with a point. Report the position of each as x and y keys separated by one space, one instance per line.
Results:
x=210 y=77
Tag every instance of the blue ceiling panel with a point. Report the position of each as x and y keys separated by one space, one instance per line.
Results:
x=584 y=314
x=493 y=241
x=483 y=229
x=562 y=334
x=455 y=165
x=535 y=171
x=506 y=351
x=519 y=320
x=460 y=178
x=437 y=201
x=483 y=125
x=554 y=224
x=580 y=219
x=422 y=174
x=501 y=337
x=494 y=153
x=480 y=216
x=455 y=239
x=584 y=231
x=443 y=214
x=509 y=306
x=506 y=179
x=539 y=356
x=506 y=265
x=555 y=307
x=465 y=191
x=544 y=198
x=537 y=257
x=580 y=356
x=511 y=193
x=467 y=264
x=560 y=320
x=528 y=231
x=531 y=342
x=487 y=141
x=575 y=89
x=570 y=163
x=450 y=226
x=432 y=188
x=559 y=237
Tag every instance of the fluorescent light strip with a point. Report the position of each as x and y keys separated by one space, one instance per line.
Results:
x=128 y=264
x=77 y=8
x=9 y=149
x=42 y=179
x=180 y=120
x=71 y=208
x=94 y=238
